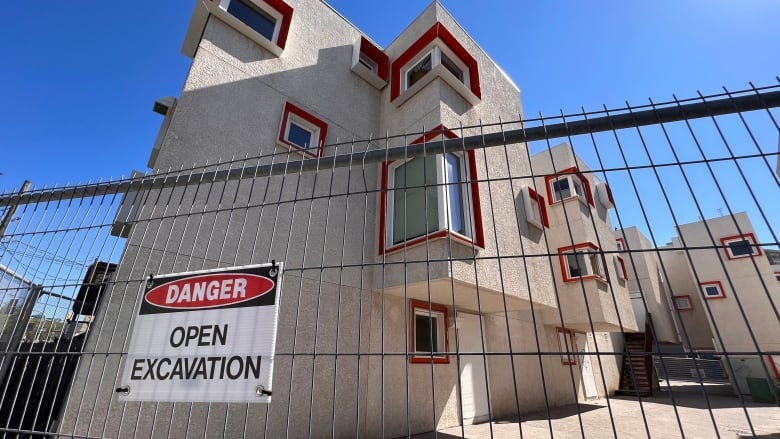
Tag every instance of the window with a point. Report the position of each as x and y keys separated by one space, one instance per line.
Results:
x=777 y=276
x=302 y=131
x=712 y=290
x=566 y=346
x=741 y=246
x=369 y=62
x=605 y=195
x=430 y=197
x=568 y=184
x=620 y=268
x=435 y=54
x=266 y=22
x=683 y=303
x=428 y=333
x=621 y=244
x=582 y=261
x=535 y=208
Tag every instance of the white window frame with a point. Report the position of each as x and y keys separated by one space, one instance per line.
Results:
x=442 y=199
x=268 y=9
x=435 y=51
x=687 y=299
x=704 y=286
x=306 y=125
x=588 y=252
x=754 y=249
x=438 y=314
x=576 y=186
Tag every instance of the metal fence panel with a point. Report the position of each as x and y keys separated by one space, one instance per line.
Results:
x=513 y=280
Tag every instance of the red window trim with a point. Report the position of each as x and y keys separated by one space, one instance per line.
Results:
x=703 y=285
x=585 y=183
x=622 y=264
x=542 y=206
x=436 y=31
x=571 y=358
x=427 y=358
x=686 y=296
x=777 y=273
x=775 y=366
x=562 y=251
x=751 y=237
x=621 y=241
x=479 y=237
x=377 y=55
x=303 y=114
x=287 y=12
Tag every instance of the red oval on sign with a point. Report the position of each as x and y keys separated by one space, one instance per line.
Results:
x=209 y=291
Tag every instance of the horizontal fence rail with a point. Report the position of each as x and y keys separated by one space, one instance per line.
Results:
x=608 y=273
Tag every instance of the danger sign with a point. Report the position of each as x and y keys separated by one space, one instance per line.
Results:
x=204 y=336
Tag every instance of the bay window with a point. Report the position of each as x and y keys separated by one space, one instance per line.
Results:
x=582 y=262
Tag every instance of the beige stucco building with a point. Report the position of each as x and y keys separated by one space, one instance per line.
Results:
x=390 y=268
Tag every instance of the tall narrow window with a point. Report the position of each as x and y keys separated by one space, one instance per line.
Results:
x=430 y=197
x=428 y=332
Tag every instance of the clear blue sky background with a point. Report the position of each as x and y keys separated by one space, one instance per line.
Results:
x=79 y=78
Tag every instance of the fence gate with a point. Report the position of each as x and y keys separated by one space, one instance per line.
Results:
x=452 y=286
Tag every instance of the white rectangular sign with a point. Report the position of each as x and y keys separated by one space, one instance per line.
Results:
x=205 y=336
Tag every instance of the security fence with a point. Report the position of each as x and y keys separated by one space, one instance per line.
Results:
x=513 y=279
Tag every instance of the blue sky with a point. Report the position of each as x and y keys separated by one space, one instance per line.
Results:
x=79 y=79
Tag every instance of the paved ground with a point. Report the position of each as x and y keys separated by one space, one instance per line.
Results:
x=689 y=415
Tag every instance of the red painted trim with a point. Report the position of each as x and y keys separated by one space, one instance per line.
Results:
x=585 y=183
x=287 y=12
x=609 y=194
x=303 y=114
x=690 y=302
x=749 y=236
x=479 y=235
x=571 y=358
x=428 y=307
x=376 y=54
x=622 y=266
x=623 y=242
x=542 y=206
x=777 y=273
x=775 y=366
x=703 y=285
x=437 y=31
x=562 y=251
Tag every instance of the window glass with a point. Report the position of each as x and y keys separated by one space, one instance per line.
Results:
x=561 y=189
x=299 y=136
x=712 y=291
x=418 y=71
x=426 y=338
x=253 y=17
x=741 y=247
x=455 y=193
x=451 y=66
x=577 y=184
x=576 y=264
x=411 y=196
x=595 y=264
x=682 y=302
x=368 y=62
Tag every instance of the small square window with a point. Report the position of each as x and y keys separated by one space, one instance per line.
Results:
x=428 y=333
x=712 y=290
x=302 y=131
x=683 y=303
x=582 y=262
x=741 y=246
x=566 y=345
x=568 y=184
x=621 y=244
